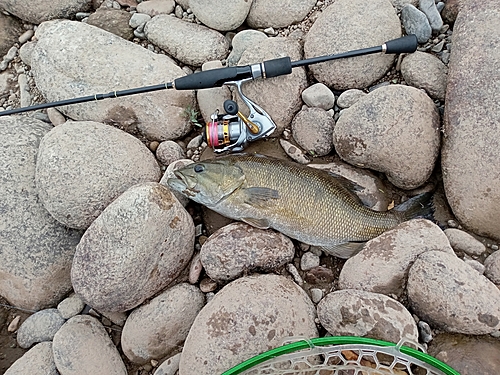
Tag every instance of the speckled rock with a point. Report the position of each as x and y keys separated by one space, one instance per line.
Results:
x=395 y=130
x=247 y=317
x=281 y=96
x=425 y=71
x=471 y=148
x=136 y=247
x=71 y=306
x=318 y=95
x=41 y=326
x=158 y=115
x=36 y=250
x=156 y=329
x=337 y=30
x=383 y=263
x=169 y=152
x=445 y=292
x=69 y=172
x=492 y=267
x=156 y=7
x=312 y=129
x=187 y=42
x=36 y=361
x=209 y=13
x=39 y=11
x=82 y=346
x=269 y=13
x=349 y=97
x=352 y=312
x=241 y=41
x=462 y=241
x=239 y=248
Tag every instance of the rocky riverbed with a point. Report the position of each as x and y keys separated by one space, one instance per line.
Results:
x=104 y=270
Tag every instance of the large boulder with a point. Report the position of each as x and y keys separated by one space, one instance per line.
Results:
x=79 y=71
x=38 y=11
x=135 y=248
x=247 y=317
x=471 y=152
x=36 y=250
x=280 y=96
x=83 y=166
x=347 y=25
x=395 y=130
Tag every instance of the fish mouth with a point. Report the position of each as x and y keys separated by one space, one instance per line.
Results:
x=182 y=184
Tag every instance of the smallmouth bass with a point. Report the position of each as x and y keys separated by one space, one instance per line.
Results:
x=304 y=203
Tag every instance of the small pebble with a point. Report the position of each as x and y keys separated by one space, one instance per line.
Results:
x=438 y=47
x=55 y=117
x=452 y=224
x=316 y=295
x=195 y=269
x=494 y=247
x=14 y=325
x=424 y=331
x=27 y=35
x=309 y=261
x=295 y=274
x=154 y=145
x=207 y=285
x=71 y=306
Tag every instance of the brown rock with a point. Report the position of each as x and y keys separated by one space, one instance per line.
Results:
x=10 y=30
x=451 y=10
x=471 y=142
x=312 y=129
x=113 y=20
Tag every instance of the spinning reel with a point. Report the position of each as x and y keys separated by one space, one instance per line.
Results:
x=232 y=131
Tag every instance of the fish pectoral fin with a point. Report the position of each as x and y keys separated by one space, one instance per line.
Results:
x=259 y=196
x=344 y=250
x=257 y=223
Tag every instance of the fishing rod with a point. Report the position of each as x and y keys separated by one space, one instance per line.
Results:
x=232 y=131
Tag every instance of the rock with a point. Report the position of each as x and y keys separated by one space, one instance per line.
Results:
x=370 y=189
x=39 y=11
x=113 y=20
x=170 y=366
x=395 y=130
x=241 y=41
x=209 y=100
x=399 y=4
x=55 y=117
x=470 y=143
x=424 y=332
x=157 y=329
x=26 y=51
x=14 y=324
x=492 y=267
x=309 y=261
x=425 y=71
x=444 y=291
x=139 y=19
x=187 y=42
x=170 y=173
x=383 y=263
x=209 y=12
x=158 y=115
x=416 y=22
x=294 y=152
x=312 y=129
x=195 y=269
x=10 y=29
x=169 y=152
x=462 y=241
x=281 y=96
x=479 y=267
x=318 y=95
x=41 y=326
x=36 y=361
x=82 y=346
x=246 y=317
x=156 y=7
x=36 y=250
x=337 y=29
x=468 y=355
x=71 y=306
x=239 y=248
x=451 y=9
x=316 y=295
x=269 y=13
x=83 y=166
x=358 y=313
x=145 y=237
x=430 y=10
x=349 y=97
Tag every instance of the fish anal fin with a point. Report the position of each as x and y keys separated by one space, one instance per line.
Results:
x=344 y=250
x=258 y=196
x=257 y=223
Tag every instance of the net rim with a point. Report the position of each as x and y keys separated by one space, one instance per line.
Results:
x=337 y=340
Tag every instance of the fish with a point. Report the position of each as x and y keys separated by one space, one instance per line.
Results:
x=306 y=204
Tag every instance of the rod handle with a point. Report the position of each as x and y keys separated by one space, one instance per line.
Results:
x=406 y=44
x=212 y=78
x=277 y=67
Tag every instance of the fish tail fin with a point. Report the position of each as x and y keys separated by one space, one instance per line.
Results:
x=420 y=206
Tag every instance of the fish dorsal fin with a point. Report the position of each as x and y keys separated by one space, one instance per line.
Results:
x=257 y=223
x=344 y=250
x=259 y=196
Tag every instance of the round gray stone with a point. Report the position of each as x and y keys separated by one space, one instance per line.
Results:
x=159 y=328
x=36 y=361
x=270 y=13
x=347 y=25
x=492 y=267
x=247 y=317
x=41 y=326
x=238 y=248
x=84 y=166
x=430 y=10
x=312 y=129
x=71 y=306
x=40 y=11
x=241 y=41
x=36 y=250
x=395 y=130
x=136 y=247
x=462 y=241
x=82 y=346
x=318 y=95
x=222 y=15
x=416 y=22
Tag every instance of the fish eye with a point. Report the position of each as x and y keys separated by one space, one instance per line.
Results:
x=199 y=168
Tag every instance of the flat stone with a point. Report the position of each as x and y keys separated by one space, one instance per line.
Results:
x=41 y=326
x=462 y=241
x=40 y=11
